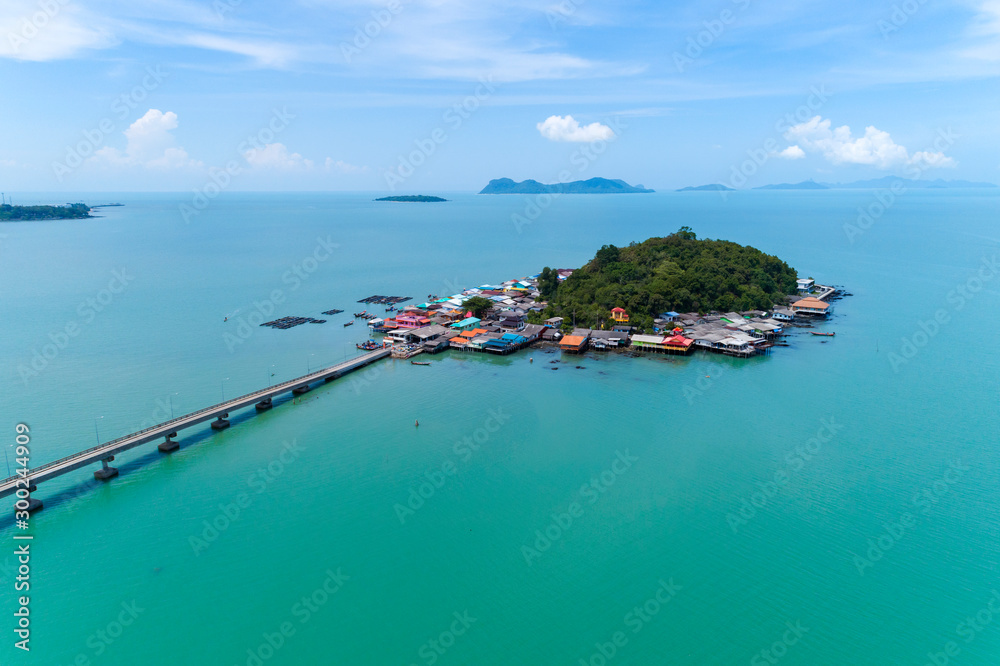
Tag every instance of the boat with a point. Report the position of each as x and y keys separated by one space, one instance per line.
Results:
x=361 y=314
x=420 y=363
x=350 y=323
x=829 y=335
x=370 y=345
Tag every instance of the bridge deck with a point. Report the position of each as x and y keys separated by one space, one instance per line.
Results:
x=115 y=446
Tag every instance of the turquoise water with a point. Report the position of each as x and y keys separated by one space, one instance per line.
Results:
x=693 y=439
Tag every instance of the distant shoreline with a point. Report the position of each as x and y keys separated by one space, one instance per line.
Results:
x=77 y=211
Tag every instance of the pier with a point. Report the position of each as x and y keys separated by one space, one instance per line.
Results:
x=167 y=431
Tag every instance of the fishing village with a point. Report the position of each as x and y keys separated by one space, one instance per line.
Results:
x=443 y=323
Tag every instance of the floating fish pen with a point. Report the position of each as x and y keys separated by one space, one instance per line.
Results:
x=291 y=322
x=332 y=312
x=406 y=351
x=385 y=300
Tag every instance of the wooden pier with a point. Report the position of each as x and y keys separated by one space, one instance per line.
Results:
x=166 y=431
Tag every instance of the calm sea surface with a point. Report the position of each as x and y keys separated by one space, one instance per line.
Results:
x=834 y=503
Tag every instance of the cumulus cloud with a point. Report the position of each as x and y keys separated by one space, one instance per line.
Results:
x=566 y=128
x=276 y=156
x=876 y=147
x=343 y=167
x=792 y=153
x=149 y=143
x=930 y=160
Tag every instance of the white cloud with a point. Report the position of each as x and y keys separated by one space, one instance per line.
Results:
x=467 y=39
x=839 y=146
x=57 y=30
x=928 y=160
x=149 y=143
x=566 y=128
x=264 y=53
x=8 y=163
x=792 y=153
x=343 y=167
x=985 y=33
x=276 y=156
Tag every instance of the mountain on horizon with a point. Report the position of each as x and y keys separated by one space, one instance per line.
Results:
x=804 y=185
x=873 y=183
x=916 y=184
x=591 y=186
x=714 y=187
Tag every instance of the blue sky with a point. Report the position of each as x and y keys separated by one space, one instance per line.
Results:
x=443 y=95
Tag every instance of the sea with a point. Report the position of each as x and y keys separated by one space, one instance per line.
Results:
x=834 y=502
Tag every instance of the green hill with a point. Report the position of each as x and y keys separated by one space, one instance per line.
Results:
x=591 y=186
x=413 y=198
x=676 y=272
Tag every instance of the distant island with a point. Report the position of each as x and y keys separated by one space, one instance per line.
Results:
x=875 y=183
x=936 y=184
x=804 y=185
x=413 y=198
x=678 y=272
x=592 y=186
x=715 y=187
x=75 y=211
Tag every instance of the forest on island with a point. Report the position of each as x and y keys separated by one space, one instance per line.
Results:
x=678 y=272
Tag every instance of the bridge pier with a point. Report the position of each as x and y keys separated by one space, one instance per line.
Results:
x=299 y=390
x=221 y=423
x=169 y=444
x=33 y=503
x=264 y=405
x=106 y=472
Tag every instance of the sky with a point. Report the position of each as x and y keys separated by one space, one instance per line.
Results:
x=444 y=95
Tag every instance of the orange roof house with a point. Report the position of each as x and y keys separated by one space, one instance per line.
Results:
x=573 y=343
x=811 y=306
x=476 y=332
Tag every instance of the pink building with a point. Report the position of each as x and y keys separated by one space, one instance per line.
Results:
x=412 y=320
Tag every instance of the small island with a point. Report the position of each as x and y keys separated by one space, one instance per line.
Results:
x=413 y=198
x=75 y=211
x=678 y=272
x=714 y=187
x=804 y=185
x=591 y=186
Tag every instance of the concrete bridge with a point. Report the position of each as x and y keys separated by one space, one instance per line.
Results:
x=167 y=431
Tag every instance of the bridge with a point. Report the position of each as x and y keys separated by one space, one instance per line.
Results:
x=105 y=453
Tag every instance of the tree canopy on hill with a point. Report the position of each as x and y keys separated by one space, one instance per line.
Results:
x=676 y=272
